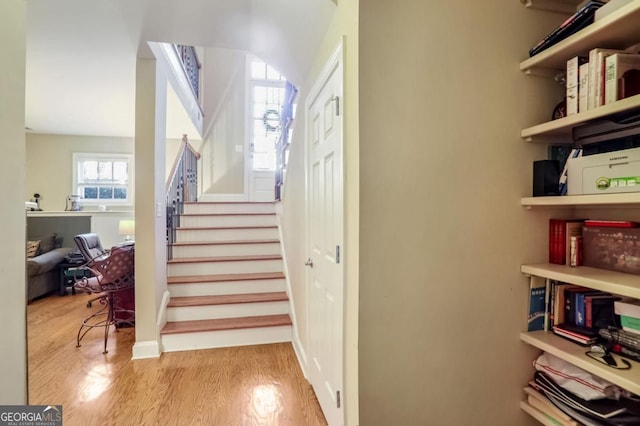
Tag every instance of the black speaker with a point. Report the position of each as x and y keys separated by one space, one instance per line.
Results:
x=546 y=176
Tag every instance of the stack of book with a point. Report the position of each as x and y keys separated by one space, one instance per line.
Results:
x=566 y=408
x=577 y=313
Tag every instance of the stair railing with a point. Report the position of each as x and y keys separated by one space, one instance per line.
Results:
x=282 y=145
x=182 y=187
x=190 y=65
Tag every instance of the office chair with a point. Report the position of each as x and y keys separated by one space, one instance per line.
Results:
x=90 y=246
x=111 y=274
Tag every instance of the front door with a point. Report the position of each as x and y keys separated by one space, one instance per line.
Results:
x=325 y=221
x=267 y=89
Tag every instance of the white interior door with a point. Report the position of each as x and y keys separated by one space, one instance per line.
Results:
x=325 y=221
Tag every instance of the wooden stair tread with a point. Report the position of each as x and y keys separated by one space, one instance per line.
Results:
x=227 y=214
x=239 y=258
x=212 y=243
x=191 y=279
x=226 y=324
x=204 y=228
x=229 y=202
x=226 y=299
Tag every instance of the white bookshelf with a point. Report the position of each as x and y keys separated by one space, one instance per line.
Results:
x=604 y=200
x=598 y=279
x=618 y=30
x=575 y=354
x=561 y=128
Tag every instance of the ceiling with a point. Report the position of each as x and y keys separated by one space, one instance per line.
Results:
x=81 y=55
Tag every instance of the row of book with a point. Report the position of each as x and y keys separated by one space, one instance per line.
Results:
x=562 y=231
x=578 y=313
x=564 y=407
x=604 y=77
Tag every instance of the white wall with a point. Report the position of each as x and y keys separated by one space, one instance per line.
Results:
x=13 y=361
x=223 y=165
x=50 y=164
x=442 y=234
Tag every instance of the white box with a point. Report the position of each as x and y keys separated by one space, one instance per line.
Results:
x=629 y=308
x=615 y=67
x=610 y=7
x=608 y=173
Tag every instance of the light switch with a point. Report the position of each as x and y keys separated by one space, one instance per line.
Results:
x=239 y=148
x=158 y=209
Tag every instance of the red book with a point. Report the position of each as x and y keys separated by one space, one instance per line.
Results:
x=611 y=223
x=558 y=244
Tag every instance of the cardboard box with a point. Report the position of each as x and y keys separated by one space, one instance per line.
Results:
x=615 y=249
x=608 y=173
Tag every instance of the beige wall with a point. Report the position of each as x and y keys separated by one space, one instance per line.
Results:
x=150 y=215
x=344 y=26
x=13 y=361
x=50 y=165
x=442 y=234
x=224 y=166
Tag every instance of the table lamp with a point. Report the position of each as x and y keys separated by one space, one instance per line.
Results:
x=127 y=227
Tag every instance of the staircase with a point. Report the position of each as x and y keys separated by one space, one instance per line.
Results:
x=226 y=279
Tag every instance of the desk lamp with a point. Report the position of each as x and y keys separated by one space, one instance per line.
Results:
x=127 y=228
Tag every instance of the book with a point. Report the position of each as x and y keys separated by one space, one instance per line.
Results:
x=537 y=318
x=611 y=223
x=573 y=82
x=577 y=336
x=583 y=17
x=583 y=87
x=596 y=67
x=598 y=310
x=543 y=404
x=573 y=229
x=558 y=304
x=616 y=66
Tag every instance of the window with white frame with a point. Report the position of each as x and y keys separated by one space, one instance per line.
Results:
x=103 y=179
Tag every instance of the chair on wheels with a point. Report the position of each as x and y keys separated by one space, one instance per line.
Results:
x=90 y=246
x=112 y=275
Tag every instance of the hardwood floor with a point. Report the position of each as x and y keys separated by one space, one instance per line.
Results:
x=247 y=386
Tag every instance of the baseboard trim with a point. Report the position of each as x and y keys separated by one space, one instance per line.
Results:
x=300 y=353
x=144 y=350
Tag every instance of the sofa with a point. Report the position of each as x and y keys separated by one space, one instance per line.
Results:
x=43 y=275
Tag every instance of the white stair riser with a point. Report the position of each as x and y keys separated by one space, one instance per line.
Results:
x=229 y=234
x=236 y=310
x=236 y=267
x=234 y=220
x=226 y=287
x=225 y=338
x=227 y=208
x=211 y=250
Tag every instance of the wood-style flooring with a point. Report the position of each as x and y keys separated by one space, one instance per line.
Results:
x=247 y=386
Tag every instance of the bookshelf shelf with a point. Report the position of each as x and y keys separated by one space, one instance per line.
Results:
x=562 y=127
x=598 y=279
x=617 y=30
x=575 y=354
x=542 y=418
x=604 y=200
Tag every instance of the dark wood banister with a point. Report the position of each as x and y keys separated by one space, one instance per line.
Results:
x=182 y=187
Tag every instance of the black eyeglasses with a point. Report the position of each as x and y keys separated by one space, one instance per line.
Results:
x=602 y=355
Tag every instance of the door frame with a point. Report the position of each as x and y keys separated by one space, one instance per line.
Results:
x=336 y=60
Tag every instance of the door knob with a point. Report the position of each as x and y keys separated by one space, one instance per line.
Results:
x=309 y=263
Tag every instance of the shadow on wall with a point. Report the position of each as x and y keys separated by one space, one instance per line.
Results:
x=231 y=182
